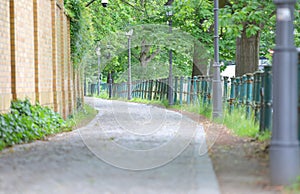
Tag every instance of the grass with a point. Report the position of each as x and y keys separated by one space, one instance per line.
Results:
x=293 y=188
x=236 y=121
x=163 y=103
x=241 y=126
x=81 y=118
x=202 y=110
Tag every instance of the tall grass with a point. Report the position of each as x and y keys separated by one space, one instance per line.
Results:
x=240 y=125
x=236 y=120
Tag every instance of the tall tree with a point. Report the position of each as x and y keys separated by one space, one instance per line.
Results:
x=246 y=20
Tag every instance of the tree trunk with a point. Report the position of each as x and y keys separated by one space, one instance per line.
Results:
x=145 y=55
x=247 y=54
x=198 y=61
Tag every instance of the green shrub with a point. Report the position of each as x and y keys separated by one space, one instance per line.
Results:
x=26 y=122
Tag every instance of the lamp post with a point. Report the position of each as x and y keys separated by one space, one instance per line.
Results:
x=216 y=83
x=129 y=34
x=169 y=13
x=98 y=52
x=110 y=80
x=284 y=149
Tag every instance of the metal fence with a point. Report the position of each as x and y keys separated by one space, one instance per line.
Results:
x=251 y=93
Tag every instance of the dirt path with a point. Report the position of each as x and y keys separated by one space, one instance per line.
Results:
x=241 y=164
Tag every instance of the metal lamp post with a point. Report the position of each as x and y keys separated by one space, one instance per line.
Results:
x=98 y=52
x=129 y=34
x=110 y=81
x=169 y=13
x=284 y=149
x=216 y=83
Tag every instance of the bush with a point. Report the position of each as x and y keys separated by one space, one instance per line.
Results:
x=26 y=122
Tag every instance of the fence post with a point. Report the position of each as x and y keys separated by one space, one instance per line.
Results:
x=244 y=89
x=249 y=94
x=209 y=89
x=232 y=95
x=175 y=90
x=205 y=90
x=143 y=89
x=268 y=97
x=135 y=87
x=262 y=106
x=202 y=87
x=161 y=89
x=188 y=99
x=225 y=89
x=257 y=99
x=237 y=91
x=109 y=85
x=195 y=89
x=155 y=89
x=166 y=88
x=181 y=90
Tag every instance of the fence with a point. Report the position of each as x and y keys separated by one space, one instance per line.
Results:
x=251 y=93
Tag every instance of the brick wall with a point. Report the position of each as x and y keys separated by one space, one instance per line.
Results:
x=58 y=65
x=66 y=66
x=44 y=72
x=23 y=69
x=35 y=55
x=5 y=68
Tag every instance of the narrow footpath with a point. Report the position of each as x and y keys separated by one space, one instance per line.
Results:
x=128 y=148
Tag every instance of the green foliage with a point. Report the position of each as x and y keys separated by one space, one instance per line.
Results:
x=81 y=32
x=103 y=95
x=153 y=102
x=293 y=188
x=81 y=117
x=93 y=24
x=27 y=122
x=240 y=125
x=250 y=16
x=205 y=110
x=264 y=136
x=236 y=121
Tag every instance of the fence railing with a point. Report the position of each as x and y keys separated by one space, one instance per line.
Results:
x=251 y=93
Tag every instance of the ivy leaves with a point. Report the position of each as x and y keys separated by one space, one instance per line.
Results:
x=27 y=122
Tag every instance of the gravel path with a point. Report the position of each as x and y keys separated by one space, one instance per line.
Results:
x=127 y=148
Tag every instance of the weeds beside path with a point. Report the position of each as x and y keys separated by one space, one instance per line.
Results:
x=241 y=164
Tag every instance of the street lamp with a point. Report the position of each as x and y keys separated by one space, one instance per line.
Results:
x=108 y=47
x=216 y=83
x=129 y=34
x=98 y=52
x=169 y=13
x=284 y=149
x=103 y=2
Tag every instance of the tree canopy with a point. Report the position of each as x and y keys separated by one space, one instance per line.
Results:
x=192 y=23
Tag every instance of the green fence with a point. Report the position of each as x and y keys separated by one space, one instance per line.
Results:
x=251 y=93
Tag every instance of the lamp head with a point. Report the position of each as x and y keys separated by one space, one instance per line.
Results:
x=104 y=3
x=98 y=50
x=129 y=33
x=168 y=7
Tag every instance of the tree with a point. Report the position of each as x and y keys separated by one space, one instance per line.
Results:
x=245 y=21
